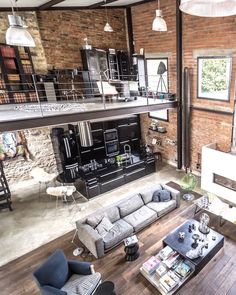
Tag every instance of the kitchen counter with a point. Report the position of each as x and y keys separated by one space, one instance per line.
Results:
x=110 y=176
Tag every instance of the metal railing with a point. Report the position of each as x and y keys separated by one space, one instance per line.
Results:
x=72 y=92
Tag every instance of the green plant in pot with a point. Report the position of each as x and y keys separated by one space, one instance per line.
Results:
x=119 y=160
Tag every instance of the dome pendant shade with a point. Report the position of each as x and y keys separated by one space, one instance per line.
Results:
x=108 y=28
x=209 y=8
x=16 y=34
x=159 y=23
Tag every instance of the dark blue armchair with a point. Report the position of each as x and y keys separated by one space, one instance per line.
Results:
x=59 y=276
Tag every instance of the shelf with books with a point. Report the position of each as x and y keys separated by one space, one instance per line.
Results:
x=17 y=70
x=167 y=271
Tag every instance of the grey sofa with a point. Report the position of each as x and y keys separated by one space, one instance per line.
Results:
x=128 y=216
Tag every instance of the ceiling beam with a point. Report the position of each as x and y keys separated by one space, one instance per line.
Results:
x=49 y=4
x=6 y=9
x=101 y=3
x=140 y=2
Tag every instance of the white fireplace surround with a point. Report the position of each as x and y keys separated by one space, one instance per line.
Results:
x=223 y=164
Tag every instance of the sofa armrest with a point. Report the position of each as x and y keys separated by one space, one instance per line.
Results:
x=174 y=194
x=80 y=267
x=49 y=290
x=91 y=239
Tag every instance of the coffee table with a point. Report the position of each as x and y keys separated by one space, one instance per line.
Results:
x=215 y=243
x=182 y=247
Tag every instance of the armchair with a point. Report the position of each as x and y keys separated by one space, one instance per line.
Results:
x=59 y=276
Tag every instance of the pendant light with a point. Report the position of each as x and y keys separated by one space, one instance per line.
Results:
x=107 y=27
x=16 y=34
x=159 y=23
x=209 y=8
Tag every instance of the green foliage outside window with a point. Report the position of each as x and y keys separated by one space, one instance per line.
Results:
x=214 y=75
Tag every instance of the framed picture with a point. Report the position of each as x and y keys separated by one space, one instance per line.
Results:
x=157 y=74
x=162 y=115
x=214 y=76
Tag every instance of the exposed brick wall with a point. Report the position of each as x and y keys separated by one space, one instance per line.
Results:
x=199 y=34
x=216 y=34
x=167 y=149
x=163 y=44
x=38 y=55
x=62 y=34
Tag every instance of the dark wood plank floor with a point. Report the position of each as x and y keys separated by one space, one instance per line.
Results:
x=218 y=277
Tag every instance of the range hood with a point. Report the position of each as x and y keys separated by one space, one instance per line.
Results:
x=86 y=139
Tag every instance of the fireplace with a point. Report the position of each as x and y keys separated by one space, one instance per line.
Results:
x=218 y=173
x=224 y=181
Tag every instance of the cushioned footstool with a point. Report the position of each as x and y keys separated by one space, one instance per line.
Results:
x=106 y=288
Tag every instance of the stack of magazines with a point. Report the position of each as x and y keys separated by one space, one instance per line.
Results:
x=151 y=265
x=169 y=281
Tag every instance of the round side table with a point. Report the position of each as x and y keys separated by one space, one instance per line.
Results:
x=131 y=252
x=106 y=288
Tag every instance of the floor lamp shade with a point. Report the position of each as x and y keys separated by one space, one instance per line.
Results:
x=209 y=8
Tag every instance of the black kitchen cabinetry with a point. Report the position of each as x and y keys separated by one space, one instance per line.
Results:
x=95 y=171
x=113 y=65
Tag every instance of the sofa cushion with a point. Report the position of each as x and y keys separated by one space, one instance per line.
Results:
x=162 y=207
x=119 y=232
x=156 y=196
x=164 y=195
x=128 y=206
x=82 y=285
x=95 y=219
x=141 y=217
x=112 y=213
x=147 y=194
x=104 y=226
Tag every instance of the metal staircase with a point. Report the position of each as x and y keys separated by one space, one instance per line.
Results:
x=5 y=194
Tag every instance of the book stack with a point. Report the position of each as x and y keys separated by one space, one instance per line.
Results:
x=169 y=281
x=172 y=259
x=166 y=252
x=182 y=269
x=151 y=265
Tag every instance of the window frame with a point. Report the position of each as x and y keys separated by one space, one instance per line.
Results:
x=158 y=58
x=158 y=118
x=230 y=77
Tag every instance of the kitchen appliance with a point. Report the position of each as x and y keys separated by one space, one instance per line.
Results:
x=111 y=142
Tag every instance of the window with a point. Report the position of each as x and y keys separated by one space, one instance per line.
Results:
x=162 y=115
x=157 y=74
x=214 y=75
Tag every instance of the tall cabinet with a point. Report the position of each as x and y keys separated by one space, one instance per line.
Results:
x=95 y=63
x=16 y=69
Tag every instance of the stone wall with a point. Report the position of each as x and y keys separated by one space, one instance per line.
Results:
x=40 y=145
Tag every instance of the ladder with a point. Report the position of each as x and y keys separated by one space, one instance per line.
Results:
x=5 y=194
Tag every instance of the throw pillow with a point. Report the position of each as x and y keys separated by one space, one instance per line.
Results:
x=104 y=226
x=165 y=196
x=156 y=196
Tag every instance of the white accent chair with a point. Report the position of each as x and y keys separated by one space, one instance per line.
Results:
x=62 y=192
x=42 y=177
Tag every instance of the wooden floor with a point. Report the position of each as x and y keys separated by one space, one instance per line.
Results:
x=218 y=277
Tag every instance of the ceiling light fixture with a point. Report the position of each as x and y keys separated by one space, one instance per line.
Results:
x=209 y=8
x=107 y=27
x=159 y=23
x=16 y=34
